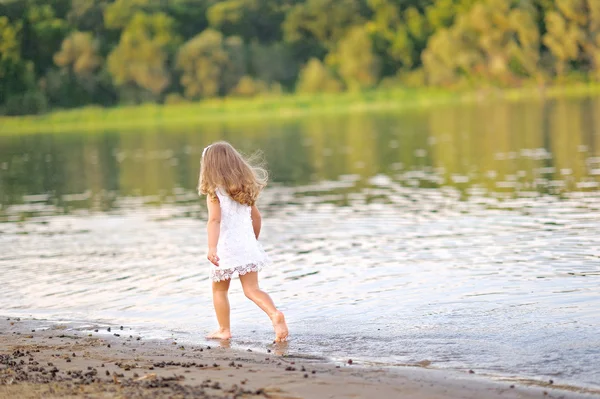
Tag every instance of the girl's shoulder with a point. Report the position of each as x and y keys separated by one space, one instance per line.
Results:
x=223 y=195
x=221 y=192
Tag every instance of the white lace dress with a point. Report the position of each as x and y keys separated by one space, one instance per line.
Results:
x=238 y=250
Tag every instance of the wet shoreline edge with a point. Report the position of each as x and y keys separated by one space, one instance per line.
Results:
x=40 y=355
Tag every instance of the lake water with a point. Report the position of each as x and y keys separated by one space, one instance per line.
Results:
x=467 y=236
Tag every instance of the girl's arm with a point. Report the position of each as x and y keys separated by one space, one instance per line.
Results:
x=256 y=220
x=213 y=228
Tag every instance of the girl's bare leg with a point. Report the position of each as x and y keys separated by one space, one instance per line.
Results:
x=264 y=301
x=221 y=302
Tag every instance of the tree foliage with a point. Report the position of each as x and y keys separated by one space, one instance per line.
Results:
x=141 y=60
x=12 y=81
x=9 y=41
x=64 y=53
x=314 y=27
x=211 y=65
x=573 y=36
x=357 y=64
x=88 y=15
x=118 y=14
x=494 y=42
x=316 y=78
x=251 y=19
x=79 y=53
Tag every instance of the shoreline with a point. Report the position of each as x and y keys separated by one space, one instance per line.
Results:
x=277 y=108
x=40 y=358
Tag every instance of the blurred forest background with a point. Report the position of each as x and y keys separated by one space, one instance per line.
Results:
x=57 y=54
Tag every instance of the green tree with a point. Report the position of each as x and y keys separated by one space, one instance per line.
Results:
x=119 y=14
x=249 y=87
x=210 y=64
x=88 y=15
x=11 y=79
x=72 y=52
x=273 y=62
x=250 y=19
x=316 y=78
x=442 y=13
x=314 y=27
x=141 y=60
x=79 y=53
x=573 y=36
x=189 y=14
x=399 y=33
x=10 y=44
x=391 y=39
x=42 y=36
x=18 y=91
x=76 y=81
x=496 y=41
x=357 y=64
x=400 y=29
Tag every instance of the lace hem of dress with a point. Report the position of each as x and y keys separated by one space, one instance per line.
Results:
x=226 y=274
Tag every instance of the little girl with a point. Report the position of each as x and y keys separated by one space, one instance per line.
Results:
x=232 y=186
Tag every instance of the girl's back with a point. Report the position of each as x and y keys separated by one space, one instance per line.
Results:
x=234 y=216
x=238 y=249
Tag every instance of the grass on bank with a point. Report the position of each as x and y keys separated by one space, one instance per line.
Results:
x=244 y=110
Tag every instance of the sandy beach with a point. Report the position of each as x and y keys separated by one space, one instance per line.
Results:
x=62 y=362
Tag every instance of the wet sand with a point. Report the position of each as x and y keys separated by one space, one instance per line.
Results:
x=61 y=362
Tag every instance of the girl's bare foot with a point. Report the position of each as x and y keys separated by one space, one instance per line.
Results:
x=280 y=348
x=219 y=334
x=280 y=326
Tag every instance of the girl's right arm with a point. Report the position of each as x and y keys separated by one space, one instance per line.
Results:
x=256 y=220
x=213 y=228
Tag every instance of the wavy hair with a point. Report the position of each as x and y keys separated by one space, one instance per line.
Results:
x=223 y=166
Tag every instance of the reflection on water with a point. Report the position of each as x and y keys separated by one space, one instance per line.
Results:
x=466 y=236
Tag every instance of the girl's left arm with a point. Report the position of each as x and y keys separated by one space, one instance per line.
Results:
x=256 y=220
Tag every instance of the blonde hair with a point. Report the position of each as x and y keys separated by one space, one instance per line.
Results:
x=223 y=166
